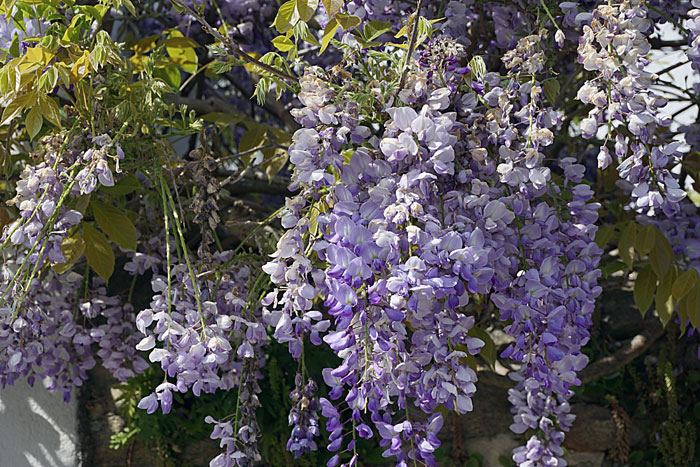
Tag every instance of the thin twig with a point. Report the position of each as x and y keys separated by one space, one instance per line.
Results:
x=231 y=45
x=672 y=67
x=413 y=23
x=634 y=348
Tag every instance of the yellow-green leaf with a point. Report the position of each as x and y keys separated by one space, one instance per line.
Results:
x=664 y=300
x=72 y=248
x=348 y=21
x=661 y=255
x=646 y=239
x=273 y=165
x=180 y=42
x=685 y=282
x=253 y=137
x=50 y=110
x=375 y=28
x=222 y=120
x=644 y=288
x=182 y=55
x=98 y=252
x=33 y=122
x=287 y=17
x=145 y=44
x=332 y=6
x=306 y=9
x=170 y=74
x=626 y=245
x=15 y=107
x=128 y=184
x=283 y=43
x=116 y=225
x=328 y=33
x=689 y=308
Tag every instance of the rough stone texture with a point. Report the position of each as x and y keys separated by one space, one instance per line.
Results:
x=593 y=429
x=484 y=431
x=100 y=420
x=493 y=447
x=585 y=459
x=37 y=428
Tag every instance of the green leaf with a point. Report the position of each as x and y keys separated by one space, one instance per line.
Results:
x=98 y=252
x=116 y=225
x=644 y=288
x=684 y=283
x=612 y=267
x=72 y=248
x=661 y=255
x=182 y=54
x=551 y=88
x=376 y=28
x=252 y=138
x=348 y=22
x=275 y=164
x=128 y=184
x=222 y=120
x=34 y=121
x=646 y=239
x=328 y=33
x=306 y=9
x=283 y=43
x=664 y=300
x=287 y=17
x=488 y=351
x=169 y=74
x=689 y=308
x=48 y=80
x=50 y=110
x=626 y=244
x=603 y=235
x=332 y=6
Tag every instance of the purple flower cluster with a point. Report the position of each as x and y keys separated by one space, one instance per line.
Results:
x=614 y=46
x=52 y=331
x=44 y=221
x=95 y=166
x=239 y=437
x=395 y=259
x=303 y=417
x=51 y=321
x=693 y=51
x=190 y=330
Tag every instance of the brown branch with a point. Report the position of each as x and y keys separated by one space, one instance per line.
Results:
x=633 y=349
x=247 y=186
x=658 y=43
x=413 y=23
x=203 y=106
x=233 y=46
x=606 y=365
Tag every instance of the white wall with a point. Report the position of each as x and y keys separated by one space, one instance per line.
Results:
x=37 y=429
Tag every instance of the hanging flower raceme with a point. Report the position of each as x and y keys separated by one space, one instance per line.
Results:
x=614 y=46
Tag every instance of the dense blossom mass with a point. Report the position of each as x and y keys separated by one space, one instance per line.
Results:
x=445 y=168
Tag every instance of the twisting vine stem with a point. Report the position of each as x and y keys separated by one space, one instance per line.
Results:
x=233 y=46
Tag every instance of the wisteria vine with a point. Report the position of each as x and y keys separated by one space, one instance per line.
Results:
x=445 y=169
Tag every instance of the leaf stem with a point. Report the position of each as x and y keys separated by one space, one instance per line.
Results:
x=413 y=23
